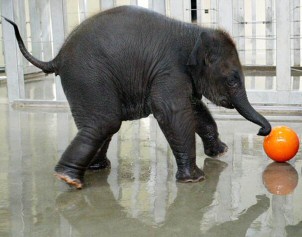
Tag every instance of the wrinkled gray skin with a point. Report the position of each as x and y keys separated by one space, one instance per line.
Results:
x=129 y=62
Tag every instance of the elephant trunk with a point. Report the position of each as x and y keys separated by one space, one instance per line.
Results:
x=244 y=108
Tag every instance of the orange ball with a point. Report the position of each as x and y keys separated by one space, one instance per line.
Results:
x=281 y=144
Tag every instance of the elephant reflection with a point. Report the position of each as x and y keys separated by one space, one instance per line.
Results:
x=186 y=213
x=294 y=230
x=95 y=212
x=240 y=226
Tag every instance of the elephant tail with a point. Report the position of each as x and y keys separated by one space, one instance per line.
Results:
x=47 y=67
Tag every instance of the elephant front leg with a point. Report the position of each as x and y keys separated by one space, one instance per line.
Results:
x=206 y=128
x=177 y=123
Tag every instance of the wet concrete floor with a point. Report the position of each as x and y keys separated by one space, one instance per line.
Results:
x=244 y=194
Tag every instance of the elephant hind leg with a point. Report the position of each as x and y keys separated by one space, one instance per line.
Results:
x=100 y=160
x=70 y=181
x=80 y=153
x=74 y=161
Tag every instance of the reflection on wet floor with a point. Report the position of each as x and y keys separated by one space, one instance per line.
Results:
x=139 y=195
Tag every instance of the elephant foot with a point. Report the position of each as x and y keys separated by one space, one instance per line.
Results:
x=215 y=149
x=185 y=176
x=70 y=176
x=70 y=181
x=100 y=164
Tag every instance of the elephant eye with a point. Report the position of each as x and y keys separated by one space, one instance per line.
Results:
x=232 y=81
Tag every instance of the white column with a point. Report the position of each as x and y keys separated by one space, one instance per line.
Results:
x=254 y=35
x=283 y=46
x=44 y=6
x=133 y=2
x=180 y=10
x=296 y=32
x=65 y=16
x=225 y=15
x=199 y=6
x=82 y=10
x=270 y=42
x=239 y=30
x=295 y=6
x=158 y=6
x=107 y=4
x=269 y=31
x=58 y=37
x=213 y=12
x=20 y=19
x=13 y=64
x=35 y=31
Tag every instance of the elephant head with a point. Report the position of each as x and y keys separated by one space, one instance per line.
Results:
x=217 y=74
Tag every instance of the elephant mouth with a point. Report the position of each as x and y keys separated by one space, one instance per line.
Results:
x=226 y=104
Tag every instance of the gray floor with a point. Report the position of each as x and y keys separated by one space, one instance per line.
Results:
x=139 y=195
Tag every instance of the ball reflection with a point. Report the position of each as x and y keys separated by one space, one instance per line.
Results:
x=280 y=178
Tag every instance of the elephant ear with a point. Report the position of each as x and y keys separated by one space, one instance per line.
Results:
x=195 y=67
x=192 y=61
x=195 y=53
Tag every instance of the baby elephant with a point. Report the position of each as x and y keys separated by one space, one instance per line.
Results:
x=127 y=63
